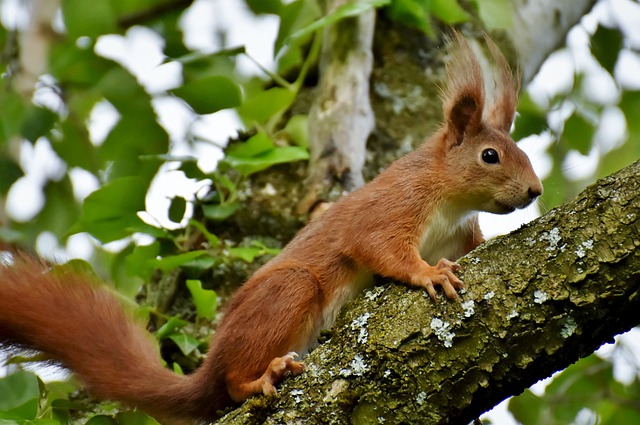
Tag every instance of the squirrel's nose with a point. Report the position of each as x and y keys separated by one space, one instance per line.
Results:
x=534 y=191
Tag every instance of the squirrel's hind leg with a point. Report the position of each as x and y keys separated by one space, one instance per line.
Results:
x=278 y=368
x=280 y=317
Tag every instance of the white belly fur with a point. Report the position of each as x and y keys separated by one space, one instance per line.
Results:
x=443 y=235
x=362 y=280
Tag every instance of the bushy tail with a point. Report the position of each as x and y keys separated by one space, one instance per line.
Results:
x=84 y=327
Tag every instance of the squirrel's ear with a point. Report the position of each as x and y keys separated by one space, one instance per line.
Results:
x=464 y=118
x=463 y=100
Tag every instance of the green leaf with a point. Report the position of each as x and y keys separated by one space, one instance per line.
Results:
x=249 y=254
x=578 y=133
x=527 y=408
x=37 y=122
x=531 y=118
x=75 y=266
x=347 y=10
x=137 y=134
x=630 y=106
x=171 y=327
x=259 y=153
x=76 y=67
x=210 y=94
x=61 y=210
x=177 y=209
x=412 y=13
x=618 y=158
x=90 y=18
x=172 y=262
x=623 y=416
x=12 y=112
x=212 y=239
x=266 y=104
x=9 y=173
x=293 y=17
x=219 y=212
x=246 y=254
x=19 y=394
x=109 y=212
x=496 y=14
x=254 y=146
x=606 y=44
x=138 y=263
x=264 y=6
x=186 y=343
x=248 y=166
x=74 y=146
x=449 y=11
x=298 y=130
x=207 y=59
x=205 y=300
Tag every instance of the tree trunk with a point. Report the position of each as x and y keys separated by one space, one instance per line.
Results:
x=536 y=301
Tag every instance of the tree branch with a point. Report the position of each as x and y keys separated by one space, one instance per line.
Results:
x=537 y=300
x=341 y=118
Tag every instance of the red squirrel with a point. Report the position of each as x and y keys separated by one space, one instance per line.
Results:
x=409 y=224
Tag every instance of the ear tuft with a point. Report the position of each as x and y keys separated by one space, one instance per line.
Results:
x=505 y=100
x=463 y=100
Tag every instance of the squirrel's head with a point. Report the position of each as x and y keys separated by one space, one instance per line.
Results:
x=482 y=160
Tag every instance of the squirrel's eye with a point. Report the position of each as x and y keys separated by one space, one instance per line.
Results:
x=490 y=156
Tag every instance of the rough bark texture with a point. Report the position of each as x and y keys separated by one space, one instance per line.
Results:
x=341 y=117
x=537 y=300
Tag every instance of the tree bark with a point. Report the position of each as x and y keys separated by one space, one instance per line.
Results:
x=341 y=118
x=536 y=301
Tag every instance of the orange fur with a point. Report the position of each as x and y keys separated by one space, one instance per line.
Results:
x=400 y=225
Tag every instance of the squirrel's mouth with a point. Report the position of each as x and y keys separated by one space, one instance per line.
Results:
x=504 y=208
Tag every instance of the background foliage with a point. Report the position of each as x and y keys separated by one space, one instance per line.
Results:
x=58 y=113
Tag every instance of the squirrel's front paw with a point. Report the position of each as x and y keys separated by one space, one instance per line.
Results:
x=443 y=274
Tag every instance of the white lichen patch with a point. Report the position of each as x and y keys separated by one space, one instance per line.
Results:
x=297 y=395
x=337 y=387
x=442 y=330
x=568 y=328
x=358 y=367
x=387 y=373
x=539 y=296
x=360 y=323
x=489 y=295
x=374 y=293
x=421 y=397
x=581 y=251
x=468 y=308
x=512 y=314
x=269 y=190
x=553 y=237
